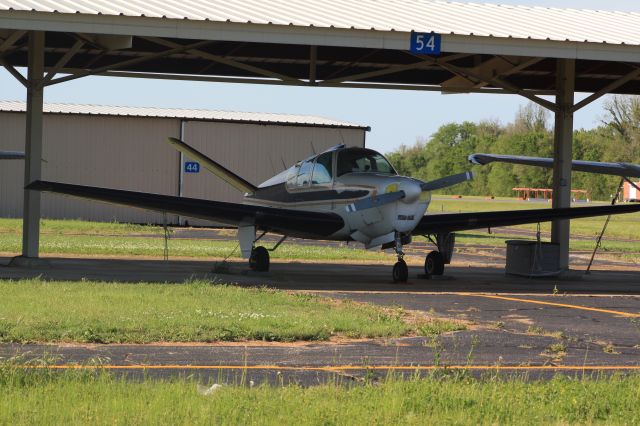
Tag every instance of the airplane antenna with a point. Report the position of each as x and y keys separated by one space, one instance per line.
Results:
x=273 y=169
x=284 y=165
x=313 y=149
x=342 y=137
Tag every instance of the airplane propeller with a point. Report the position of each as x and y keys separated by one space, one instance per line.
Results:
x=447 y=181
x=390 y=197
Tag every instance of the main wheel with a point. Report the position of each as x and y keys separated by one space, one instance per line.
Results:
x=259 y=260
x=434 y=263
x=400 y=272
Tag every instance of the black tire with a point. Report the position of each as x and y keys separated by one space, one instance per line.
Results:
x=434 y=263
x=259 y=260
x=400 y=272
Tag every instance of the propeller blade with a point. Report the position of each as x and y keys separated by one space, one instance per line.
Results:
x=375 y=201
x=446 y=181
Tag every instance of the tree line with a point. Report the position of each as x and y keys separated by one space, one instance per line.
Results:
x=616 y=139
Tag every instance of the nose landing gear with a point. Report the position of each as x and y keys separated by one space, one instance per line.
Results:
x=400 y=269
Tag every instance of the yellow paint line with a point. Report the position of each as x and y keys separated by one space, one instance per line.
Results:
x=331 y=368
x=560 y=305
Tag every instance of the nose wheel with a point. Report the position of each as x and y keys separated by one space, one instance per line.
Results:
x=400 y=269
x=259 y=260
x=400 y=272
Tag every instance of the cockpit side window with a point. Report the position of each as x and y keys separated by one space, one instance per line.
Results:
x=322 y=171
x=292 y=175
x=304 y=175
x=362 y=160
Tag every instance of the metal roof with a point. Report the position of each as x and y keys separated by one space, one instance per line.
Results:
x=185 y=114
x=453 y=18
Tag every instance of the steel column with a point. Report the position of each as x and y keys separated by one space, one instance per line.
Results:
x=33 y=148
x=563 y=154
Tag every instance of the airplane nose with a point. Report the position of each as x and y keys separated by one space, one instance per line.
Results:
x=412 y=191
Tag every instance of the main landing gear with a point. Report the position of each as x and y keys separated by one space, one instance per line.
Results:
x=259 y=258
x=400 y=269
x=435 y=260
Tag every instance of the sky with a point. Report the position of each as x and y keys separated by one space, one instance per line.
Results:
x=395 y=117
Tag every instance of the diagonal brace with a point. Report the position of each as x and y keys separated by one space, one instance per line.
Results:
x=130 y=62
x=502 y=84
x=64 y=60
x=226 y=61
x=14 y=72
x=608 y=88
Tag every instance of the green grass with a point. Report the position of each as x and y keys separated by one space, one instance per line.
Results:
x=74 y=237
x=39 y=311
x=70 y=398
x=142 y=246
x=621 y=226
x=66 y=227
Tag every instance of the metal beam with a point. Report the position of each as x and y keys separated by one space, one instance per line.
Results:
x=607 y=89
x=6 y=45
x=498 y=82
x=424 y=62
x=498 y=66
x=246 y=80
x=33 y=146
x=378 y=73
x=313 y=64
x=226 y=61
x=11 y=40
x=129 y=62
x=563 y=154
x=63 y=60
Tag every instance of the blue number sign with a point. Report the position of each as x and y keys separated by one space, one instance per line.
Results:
x=425 y=43
x=191 y=167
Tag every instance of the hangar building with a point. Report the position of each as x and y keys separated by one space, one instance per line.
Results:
x=125 y=148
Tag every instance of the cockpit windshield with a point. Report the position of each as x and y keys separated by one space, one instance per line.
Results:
x=362 y=160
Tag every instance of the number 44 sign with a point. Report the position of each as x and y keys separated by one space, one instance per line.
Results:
x=191 y=167
x=425 y=43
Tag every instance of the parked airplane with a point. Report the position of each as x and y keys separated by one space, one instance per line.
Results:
x=11 y=155
x=344 y=194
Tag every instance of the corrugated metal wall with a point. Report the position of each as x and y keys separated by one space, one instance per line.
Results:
x=130 y=153
x=116 y=152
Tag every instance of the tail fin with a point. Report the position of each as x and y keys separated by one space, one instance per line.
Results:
x=226 y=175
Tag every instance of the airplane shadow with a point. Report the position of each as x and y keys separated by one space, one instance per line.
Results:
x=323 y=277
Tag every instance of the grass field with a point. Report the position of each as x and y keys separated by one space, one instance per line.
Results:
x=91 y=238
x=70 y=398
x=621 y=226
x=38 y=311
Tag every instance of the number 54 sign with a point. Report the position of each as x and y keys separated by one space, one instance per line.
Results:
x=425 y=43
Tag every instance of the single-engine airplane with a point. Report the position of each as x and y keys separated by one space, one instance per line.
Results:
x=343 y=194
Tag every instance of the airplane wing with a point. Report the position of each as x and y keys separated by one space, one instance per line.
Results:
x=11 y=155
x=444 y=223
x=616 y=169
x=289 y=222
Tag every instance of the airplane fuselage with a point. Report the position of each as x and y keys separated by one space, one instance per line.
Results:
x=311 y=186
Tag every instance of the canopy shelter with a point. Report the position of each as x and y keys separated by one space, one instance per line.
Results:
x=395 y=44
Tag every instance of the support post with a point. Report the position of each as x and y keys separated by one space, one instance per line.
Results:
x=563 y=154
x=33 y=146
